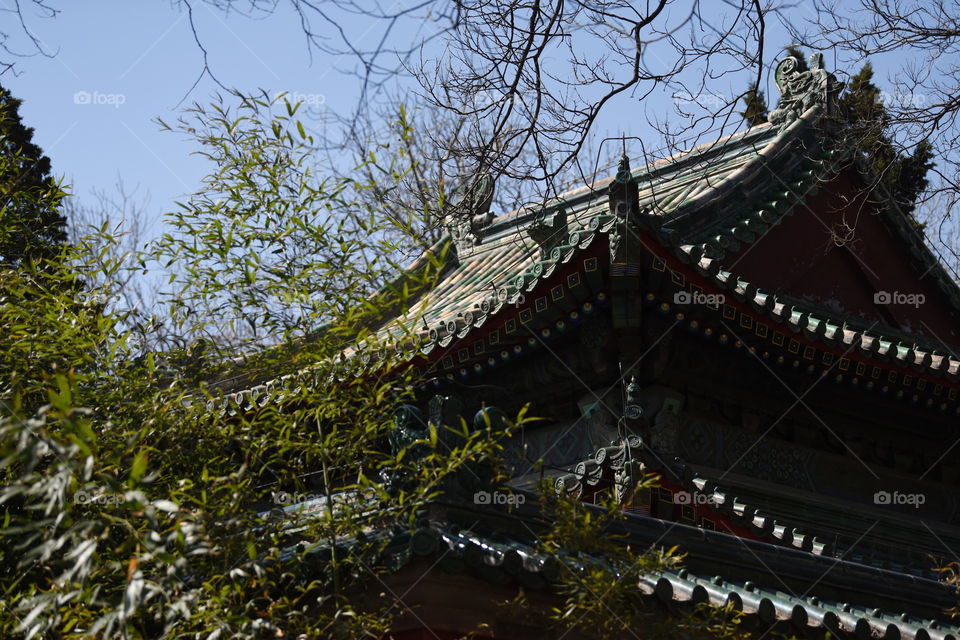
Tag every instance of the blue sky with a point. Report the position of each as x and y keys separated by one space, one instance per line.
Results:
x=119 y=64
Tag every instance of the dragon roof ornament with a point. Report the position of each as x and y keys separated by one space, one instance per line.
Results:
x=550 y=231
x=469 y=213
x=801 y=89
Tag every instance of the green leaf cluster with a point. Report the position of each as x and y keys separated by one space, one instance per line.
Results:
x=137 y=502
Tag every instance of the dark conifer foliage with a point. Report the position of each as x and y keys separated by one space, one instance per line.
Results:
x=903 y=173
x=31 y=225
x=754 y=107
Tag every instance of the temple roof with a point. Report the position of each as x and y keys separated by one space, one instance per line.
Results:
x=507 y=255
x=682 y=226
x=698 y=207
x=701 y=205
x=700 y=212
x=497 y=559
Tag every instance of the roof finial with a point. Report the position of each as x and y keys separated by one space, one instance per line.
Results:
x=801 y=88
x=632 y=409
x=550 y=231
x=469 y=212
x=624 y=175
x=624 y=194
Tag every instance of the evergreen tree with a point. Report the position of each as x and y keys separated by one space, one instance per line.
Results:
x=755 y=107
x=31 y=225
x=867 y=120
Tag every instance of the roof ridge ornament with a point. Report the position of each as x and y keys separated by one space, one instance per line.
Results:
x=624 y=175
x=550 y=231
x=623 y=202
x=468 y=213
x=801 y=89
x=623 y=193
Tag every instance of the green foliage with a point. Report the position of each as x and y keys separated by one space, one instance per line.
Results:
x=950 y=575
x=599 y=582
x=31 y=226
x=904 y=175
x=287 y=250
x=52 y=323
x=135 y=506
x=754 y=108
x=600 y=574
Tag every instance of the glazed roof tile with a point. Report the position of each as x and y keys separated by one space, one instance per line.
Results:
x=503 y=560
x=466 y=294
